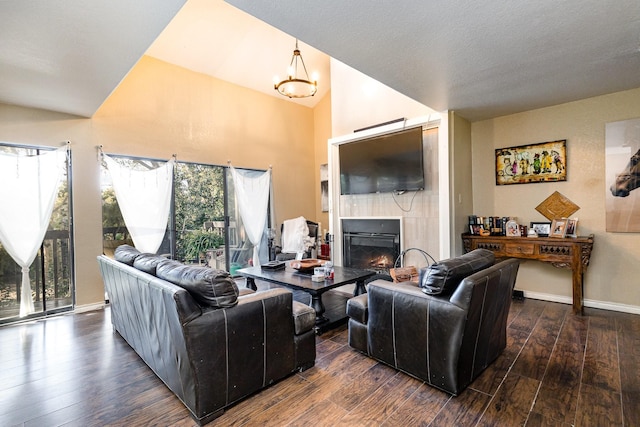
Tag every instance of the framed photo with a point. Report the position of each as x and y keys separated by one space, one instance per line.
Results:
x=558 y=227
x=512 y=229
x=543 y=162
x=542 y=229
x=572 y=228
x=476 y=229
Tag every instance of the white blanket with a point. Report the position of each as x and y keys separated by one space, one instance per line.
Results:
x=295 y=236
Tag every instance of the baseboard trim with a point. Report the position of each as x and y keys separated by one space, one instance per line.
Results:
x=603 y=305
x=89 y=307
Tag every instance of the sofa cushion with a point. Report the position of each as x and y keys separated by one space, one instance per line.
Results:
x=126 y=254
x=443 y=277
x=208 y=286
x=148 y=262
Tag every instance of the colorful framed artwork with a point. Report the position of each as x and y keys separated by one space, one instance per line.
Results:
x=543 y=162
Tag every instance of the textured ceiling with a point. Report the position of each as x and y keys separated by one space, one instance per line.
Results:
x=69 y=55
x=481 y=60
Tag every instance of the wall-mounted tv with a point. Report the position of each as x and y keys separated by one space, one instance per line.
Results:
x=382 y=164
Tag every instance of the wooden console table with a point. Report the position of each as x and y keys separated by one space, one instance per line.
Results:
x=572 y=253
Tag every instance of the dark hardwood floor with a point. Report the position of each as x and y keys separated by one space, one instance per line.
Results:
x=557 y=370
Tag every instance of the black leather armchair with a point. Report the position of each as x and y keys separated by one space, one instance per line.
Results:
x=446 y=338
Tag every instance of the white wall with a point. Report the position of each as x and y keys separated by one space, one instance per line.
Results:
x=357 y=102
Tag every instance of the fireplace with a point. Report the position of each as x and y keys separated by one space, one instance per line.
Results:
x=370 y=243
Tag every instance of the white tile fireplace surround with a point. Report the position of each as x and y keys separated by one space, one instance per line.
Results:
x=418 y=211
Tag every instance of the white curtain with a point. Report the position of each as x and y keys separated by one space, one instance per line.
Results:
x=28 y=190
x=144 y=198
x=252 y=194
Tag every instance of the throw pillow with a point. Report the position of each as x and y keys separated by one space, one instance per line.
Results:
x=148 y=262
x=208 y=286
x=126 y=254
x=443 y=277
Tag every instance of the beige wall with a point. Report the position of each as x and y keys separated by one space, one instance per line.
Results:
x=460 y=193
x=159 y=110
x=322 y=133
x=612 y=278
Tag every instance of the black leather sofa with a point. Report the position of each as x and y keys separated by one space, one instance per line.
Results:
x=446 y=328
x=208 y=343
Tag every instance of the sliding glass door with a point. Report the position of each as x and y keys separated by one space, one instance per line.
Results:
x=51 y=274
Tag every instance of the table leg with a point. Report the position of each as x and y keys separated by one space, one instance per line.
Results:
x=360 y=288
x=578 y=282
x=251 y=283
x=318 y=306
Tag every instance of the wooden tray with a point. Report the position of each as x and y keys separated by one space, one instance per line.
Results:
x=306 y=264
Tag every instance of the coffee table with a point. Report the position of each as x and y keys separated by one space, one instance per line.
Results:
x=293 y=279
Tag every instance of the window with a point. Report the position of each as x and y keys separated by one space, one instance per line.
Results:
x=51 y=272
x=204 y=227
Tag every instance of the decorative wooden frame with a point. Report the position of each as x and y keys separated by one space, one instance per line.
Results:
x=542 y=229
x=542 y=162
x=557 y=206
x=558 y=227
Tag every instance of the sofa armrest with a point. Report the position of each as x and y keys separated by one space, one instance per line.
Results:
x=304 y=318
x=358 y=308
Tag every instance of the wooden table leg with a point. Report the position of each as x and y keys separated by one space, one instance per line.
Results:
x=577 y=279
x=360 y=288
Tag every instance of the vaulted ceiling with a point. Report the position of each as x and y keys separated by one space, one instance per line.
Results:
x=481 y=59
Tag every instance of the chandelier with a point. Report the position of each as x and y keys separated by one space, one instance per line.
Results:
x=295 y=86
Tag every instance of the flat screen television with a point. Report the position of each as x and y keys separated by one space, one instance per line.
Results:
x=382 y=164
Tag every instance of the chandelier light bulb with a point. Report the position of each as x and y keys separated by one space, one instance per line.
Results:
x=297 y=86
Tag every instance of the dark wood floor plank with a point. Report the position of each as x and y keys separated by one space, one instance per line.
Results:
x=243 y=412
x=463 y=410
x=538 y=420
x=601 y=355
x=598 y=407
x=534 y=358
x=558 y=394
x=528 y=315
x=420 y=409
x=574 y=329
x=511 y=403
x=631 y=406
x=388 y=398
x=73 y=370
x=359 y=387
x=489 y=380
x=320 y=414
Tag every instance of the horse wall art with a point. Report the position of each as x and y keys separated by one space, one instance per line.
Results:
x=629 y=179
